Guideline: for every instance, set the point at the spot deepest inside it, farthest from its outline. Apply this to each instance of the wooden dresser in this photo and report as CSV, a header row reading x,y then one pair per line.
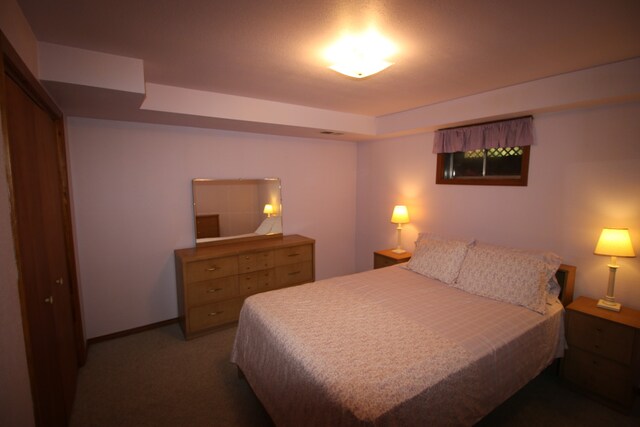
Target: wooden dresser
x,y
213,281
604,351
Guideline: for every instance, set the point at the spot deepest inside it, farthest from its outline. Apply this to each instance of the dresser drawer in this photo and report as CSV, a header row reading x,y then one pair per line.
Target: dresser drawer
x,y
211,269
255,261
213,280
604,338
258,281
212,290
293,274
214,314
267,280
599,375
294,254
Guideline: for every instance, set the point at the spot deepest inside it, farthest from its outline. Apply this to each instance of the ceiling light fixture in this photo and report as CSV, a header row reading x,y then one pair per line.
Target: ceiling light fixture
x,y
362,55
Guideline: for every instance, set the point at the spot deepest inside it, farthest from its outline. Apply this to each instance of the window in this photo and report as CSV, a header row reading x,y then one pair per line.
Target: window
x,y
490,153
489,166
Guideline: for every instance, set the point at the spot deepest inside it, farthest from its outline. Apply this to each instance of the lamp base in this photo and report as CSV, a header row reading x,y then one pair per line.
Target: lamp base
x,y
613,306
398,251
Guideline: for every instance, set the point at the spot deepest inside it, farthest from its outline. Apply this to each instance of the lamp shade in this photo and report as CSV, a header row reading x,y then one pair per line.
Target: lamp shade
x,y
615,242
268,209
400,215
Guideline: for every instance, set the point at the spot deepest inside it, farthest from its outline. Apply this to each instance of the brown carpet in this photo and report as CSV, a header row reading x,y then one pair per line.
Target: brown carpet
x,y
156,378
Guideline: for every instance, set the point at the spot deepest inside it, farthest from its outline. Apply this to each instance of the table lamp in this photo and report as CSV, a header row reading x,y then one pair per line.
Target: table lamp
x,y
268,209
400,216
613,242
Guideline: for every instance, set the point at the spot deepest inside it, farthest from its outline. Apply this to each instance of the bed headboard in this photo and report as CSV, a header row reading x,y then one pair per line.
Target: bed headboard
x,y
566,276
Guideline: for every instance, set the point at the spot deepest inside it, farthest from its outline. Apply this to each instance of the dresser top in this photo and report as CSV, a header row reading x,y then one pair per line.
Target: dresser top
x,y
236,248
626,316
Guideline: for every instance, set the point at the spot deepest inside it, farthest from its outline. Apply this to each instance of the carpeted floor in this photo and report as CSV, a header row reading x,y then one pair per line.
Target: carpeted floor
x,y
156,378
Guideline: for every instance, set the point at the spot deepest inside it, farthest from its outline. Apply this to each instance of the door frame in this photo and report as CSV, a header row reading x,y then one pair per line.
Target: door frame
x,y
13,66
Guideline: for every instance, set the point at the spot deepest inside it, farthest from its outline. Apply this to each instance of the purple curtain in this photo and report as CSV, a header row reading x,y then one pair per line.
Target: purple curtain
x,y
507,133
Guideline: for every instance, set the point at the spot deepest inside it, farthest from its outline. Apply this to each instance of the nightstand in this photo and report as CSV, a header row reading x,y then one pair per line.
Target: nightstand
x,y
387,258
604,351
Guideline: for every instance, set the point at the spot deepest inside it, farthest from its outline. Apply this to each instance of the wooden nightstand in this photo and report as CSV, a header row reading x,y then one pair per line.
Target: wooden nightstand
x,y
387,258
604,351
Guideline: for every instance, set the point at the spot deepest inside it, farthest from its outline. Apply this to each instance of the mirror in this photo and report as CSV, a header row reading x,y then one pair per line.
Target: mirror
x,y
227,209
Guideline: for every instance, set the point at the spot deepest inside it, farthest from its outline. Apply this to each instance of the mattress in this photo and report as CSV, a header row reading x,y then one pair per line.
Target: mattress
x,y
389,347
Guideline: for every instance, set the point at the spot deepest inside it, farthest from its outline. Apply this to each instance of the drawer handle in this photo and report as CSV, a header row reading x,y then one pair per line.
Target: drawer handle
x,y
598,329
296,254
214,290
247,258
212,268
215,313
293,273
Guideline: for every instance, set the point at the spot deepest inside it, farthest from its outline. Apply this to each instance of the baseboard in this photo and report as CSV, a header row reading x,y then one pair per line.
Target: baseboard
x,y
131,331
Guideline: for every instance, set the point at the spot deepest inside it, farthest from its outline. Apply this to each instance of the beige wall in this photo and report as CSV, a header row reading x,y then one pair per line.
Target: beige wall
x,y
133,206
584,175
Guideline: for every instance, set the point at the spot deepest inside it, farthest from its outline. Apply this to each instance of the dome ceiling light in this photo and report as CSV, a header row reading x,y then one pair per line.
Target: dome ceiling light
x,y
361,55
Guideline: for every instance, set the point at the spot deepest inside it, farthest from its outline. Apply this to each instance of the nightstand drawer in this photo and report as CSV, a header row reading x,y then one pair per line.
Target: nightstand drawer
x,y
380,261
599,375
604,338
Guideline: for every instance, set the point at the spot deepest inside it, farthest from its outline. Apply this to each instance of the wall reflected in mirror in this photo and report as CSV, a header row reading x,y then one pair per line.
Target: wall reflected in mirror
x,y
226,209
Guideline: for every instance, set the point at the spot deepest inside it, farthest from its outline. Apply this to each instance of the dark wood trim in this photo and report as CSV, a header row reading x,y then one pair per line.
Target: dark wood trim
x,y
522,181
14,67
7,49
132,331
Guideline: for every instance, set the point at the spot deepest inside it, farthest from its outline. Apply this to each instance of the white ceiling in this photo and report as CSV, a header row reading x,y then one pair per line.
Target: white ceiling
x,y
272,50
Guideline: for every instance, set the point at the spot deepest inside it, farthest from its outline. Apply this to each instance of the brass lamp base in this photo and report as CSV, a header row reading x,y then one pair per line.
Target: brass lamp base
x,y
608,305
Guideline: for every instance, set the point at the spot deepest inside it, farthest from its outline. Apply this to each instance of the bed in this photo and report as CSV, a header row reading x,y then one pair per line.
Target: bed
x,y
442,340
268,226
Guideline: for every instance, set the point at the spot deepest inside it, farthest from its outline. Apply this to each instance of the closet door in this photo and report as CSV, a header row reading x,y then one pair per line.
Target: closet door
x,y
47,296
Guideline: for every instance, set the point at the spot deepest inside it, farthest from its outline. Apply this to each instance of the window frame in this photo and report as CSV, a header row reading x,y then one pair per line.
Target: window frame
x,y
520,181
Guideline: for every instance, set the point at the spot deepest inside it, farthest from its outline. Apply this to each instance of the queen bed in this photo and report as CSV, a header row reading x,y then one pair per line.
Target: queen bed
x,y
441,340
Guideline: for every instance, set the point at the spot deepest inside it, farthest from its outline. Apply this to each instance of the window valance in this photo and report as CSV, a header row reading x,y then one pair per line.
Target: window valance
x,y
505,133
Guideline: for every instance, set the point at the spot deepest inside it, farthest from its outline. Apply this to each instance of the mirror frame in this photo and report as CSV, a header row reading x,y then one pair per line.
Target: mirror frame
x,y
233,238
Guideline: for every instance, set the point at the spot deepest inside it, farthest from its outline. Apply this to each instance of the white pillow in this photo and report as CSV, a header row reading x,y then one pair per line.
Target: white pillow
x,y
511,275
438,257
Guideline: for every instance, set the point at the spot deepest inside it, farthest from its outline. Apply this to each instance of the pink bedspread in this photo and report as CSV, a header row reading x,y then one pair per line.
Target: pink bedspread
x,y
389,347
